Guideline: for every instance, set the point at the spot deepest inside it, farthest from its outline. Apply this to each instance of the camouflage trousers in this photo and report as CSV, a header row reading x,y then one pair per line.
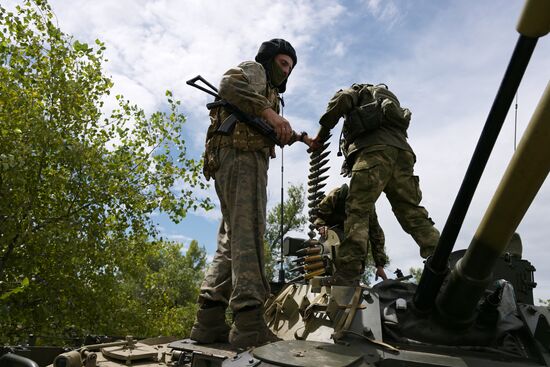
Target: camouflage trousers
x,y
388,170
236,275
377,240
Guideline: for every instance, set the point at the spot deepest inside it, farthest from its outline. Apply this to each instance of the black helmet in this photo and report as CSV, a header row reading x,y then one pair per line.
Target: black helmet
x,y
269,49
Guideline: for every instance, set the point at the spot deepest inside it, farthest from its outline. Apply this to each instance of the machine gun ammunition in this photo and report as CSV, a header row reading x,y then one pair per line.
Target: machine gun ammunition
x,y
309,267
309,251
317,173
315,273
308,259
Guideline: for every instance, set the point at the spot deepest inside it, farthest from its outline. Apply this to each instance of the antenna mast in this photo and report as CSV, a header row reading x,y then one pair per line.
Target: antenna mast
x,y
281,257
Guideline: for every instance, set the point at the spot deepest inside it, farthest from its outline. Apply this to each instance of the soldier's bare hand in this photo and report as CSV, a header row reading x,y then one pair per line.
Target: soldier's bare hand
x,y
280,125
307,140
380,273
315,143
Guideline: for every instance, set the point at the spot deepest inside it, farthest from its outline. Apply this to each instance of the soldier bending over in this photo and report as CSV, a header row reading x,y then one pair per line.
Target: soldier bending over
x,y
380,159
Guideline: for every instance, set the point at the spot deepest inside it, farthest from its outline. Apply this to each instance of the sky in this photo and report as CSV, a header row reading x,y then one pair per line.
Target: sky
x,y
443,59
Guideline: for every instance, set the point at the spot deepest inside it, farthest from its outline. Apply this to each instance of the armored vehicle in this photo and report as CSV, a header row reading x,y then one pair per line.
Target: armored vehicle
x,y
470,308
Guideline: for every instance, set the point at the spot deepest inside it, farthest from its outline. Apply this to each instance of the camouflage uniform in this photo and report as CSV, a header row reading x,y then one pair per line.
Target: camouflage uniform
x,y
332,212
381,160
238,163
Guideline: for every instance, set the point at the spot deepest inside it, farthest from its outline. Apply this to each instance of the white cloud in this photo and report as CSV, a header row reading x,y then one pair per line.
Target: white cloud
x,y
213,215
384,11
160,44
339,49
445,62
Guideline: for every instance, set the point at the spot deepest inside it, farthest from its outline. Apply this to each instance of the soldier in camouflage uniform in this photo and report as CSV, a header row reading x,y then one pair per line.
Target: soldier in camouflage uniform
x,y
332,213
380,160
238,164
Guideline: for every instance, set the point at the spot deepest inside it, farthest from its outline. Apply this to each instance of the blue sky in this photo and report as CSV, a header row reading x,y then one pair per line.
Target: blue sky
x,y
444,60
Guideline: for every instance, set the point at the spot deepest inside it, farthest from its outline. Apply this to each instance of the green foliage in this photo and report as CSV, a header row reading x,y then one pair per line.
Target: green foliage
x,y
293,219
162,293
416,273
270,262
77,189
18,289
368,274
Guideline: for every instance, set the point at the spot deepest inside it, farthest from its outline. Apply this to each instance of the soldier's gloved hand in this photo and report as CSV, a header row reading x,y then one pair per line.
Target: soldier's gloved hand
x,y
280,125
380,273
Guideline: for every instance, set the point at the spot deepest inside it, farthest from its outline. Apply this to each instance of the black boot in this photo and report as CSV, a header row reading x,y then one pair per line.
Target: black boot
x,y
348,275
250,329
210,326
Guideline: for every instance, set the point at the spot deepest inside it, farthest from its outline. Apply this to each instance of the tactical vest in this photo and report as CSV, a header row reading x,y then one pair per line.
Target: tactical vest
x,y
376,106
243,137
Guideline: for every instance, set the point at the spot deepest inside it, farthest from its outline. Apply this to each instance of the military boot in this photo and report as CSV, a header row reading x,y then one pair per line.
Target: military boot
x,y
210,326
348,275
346,278
250,329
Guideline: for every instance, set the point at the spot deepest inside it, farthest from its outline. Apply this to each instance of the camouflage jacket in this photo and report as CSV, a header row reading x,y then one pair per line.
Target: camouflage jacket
x,y
343,102
332,212
245,87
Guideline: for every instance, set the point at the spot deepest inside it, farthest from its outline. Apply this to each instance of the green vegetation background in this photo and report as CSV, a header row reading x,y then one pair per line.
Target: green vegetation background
x,y
78,250
79,253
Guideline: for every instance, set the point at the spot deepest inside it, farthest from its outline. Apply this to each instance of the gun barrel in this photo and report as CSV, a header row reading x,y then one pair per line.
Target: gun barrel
x,y
437,265
523,178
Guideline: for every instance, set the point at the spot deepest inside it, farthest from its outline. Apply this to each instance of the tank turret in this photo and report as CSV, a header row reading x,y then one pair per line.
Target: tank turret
x,y
523,178
533,24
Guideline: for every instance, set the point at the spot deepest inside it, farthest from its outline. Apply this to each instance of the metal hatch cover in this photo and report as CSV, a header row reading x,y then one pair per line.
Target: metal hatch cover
x,y
136,352
302,353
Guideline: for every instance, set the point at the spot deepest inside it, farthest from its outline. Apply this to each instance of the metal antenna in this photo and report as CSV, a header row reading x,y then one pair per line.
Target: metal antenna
x,y
281,258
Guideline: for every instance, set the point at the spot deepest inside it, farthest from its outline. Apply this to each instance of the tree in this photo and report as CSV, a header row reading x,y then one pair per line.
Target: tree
x,y
293,219
163,295
416,273
370,270
77,187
